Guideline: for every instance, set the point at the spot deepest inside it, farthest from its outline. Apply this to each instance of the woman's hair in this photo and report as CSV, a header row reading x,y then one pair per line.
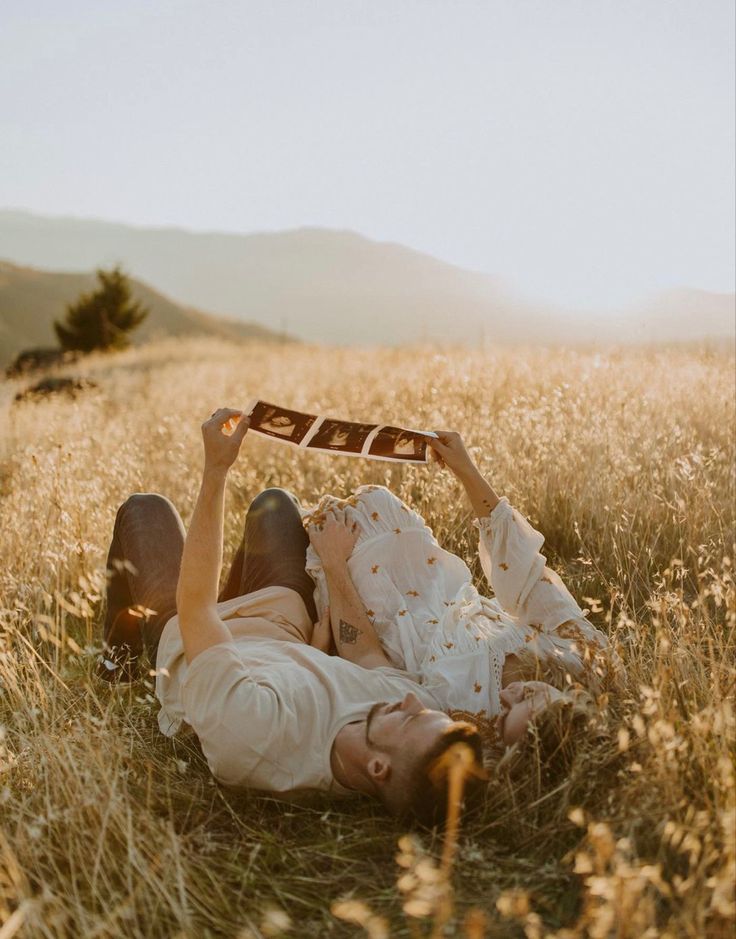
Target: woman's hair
x,y
600,673
553,740
530,667
556,744
424,792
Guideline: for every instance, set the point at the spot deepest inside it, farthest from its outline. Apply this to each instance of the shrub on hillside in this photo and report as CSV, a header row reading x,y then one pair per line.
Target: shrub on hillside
x,y
102,319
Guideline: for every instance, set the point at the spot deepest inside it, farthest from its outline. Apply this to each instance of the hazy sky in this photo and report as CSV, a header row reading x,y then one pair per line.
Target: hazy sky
x,y
583,150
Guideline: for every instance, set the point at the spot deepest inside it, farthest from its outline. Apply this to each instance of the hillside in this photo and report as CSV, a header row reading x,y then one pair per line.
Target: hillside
x,y
337,286
317,284
31,299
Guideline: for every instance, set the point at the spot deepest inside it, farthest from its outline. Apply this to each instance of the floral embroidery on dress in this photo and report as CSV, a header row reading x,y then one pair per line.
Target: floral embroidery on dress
x,y
477,687
504,567
431,560
397,531
403,612
369,613
352,501
569,630
374,569
433,621
314,518
412,593
375,516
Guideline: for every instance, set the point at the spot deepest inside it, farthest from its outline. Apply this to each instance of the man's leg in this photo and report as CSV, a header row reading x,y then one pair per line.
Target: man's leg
x,y
273,550
143,566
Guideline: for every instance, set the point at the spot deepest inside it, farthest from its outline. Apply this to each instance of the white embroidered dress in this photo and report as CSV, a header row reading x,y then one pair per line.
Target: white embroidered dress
x,y
431,619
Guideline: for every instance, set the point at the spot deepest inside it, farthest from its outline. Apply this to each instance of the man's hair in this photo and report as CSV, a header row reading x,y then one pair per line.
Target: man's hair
x,y
424,791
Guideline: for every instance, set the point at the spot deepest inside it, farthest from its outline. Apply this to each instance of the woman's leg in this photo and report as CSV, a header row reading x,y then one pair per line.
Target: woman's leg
x,y
143,569
273,550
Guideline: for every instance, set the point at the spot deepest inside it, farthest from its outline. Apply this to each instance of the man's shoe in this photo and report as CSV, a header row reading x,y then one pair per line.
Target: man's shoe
x,y
122,648
118,664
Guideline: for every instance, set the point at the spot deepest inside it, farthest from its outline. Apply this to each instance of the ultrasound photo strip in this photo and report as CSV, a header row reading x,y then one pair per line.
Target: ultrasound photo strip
x,y
330,435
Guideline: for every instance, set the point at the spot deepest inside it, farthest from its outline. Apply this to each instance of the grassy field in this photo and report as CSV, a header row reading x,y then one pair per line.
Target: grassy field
x,y
623,459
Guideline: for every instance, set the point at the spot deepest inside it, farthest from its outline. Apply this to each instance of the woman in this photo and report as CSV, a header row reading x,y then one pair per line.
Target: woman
x,y
470,651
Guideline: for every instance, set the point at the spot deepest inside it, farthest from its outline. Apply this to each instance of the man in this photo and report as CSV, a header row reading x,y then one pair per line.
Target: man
x,y
271,710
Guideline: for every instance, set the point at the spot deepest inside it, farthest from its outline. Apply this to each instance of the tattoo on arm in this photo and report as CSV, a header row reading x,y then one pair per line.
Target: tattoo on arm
x,y
348,633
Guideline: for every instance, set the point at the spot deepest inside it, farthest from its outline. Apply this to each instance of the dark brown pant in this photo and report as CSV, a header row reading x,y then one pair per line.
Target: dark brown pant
x,y
145,556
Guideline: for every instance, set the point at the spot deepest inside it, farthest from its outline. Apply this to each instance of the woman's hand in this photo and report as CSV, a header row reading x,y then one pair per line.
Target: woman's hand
x,y
322,637
222,435
448,449
333,540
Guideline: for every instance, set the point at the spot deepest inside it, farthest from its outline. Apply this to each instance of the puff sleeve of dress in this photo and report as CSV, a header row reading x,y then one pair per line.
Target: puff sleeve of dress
x,y
527,589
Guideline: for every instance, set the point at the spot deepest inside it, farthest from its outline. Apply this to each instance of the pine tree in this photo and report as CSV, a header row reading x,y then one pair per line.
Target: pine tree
x,y
103,318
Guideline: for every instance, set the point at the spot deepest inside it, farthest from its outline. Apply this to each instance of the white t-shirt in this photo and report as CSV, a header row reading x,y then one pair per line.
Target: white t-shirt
x,y
267,710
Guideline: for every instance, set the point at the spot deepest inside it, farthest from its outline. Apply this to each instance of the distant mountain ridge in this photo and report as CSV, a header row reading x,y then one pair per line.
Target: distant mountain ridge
x,y
31,299
685,314
317,284
334,286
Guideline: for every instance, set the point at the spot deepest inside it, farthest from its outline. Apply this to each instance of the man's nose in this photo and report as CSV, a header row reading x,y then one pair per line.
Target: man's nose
x,y
411,702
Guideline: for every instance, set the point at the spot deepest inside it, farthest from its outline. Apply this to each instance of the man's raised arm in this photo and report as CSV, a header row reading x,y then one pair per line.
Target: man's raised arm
x,y
196,592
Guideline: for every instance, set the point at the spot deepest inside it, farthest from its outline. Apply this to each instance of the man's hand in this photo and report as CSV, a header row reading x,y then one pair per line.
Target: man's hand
x,y
196,591
322,635
222,435
333,540
448,449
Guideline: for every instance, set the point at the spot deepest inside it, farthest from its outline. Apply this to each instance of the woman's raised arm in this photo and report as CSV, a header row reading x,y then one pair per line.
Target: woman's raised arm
x,y
449,450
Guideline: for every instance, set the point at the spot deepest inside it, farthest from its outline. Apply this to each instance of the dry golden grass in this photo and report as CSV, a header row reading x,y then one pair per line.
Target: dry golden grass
x,y
624,459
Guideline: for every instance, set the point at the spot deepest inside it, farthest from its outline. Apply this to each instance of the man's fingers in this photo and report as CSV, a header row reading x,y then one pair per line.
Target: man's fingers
x,y
241,429
323,623
322,633
225,414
